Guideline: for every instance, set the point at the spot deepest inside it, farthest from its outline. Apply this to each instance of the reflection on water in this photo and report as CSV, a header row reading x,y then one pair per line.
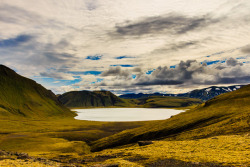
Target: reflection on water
x,y
125,114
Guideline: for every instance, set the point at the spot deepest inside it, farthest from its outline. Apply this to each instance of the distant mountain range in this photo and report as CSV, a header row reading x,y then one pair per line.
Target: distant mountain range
x,y
203,94
20,96
82,99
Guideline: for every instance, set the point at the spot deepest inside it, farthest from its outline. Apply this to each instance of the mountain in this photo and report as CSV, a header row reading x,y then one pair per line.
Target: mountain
x,y
20,96
225,114
203,94
90,99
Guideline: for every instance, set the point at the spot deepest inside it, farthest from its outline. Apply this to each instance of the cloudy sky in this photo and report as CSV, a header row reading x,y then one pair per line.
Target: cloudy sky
x,y
131,46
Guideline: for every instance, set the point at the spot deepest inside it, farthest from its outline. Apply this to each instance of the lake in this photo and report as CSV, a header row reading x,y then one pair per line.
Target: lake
x,y
125,114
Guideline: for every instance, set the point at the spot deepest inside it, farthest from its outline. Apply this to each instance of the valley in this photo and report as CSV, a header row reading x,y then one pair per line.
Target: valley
x,y
33,121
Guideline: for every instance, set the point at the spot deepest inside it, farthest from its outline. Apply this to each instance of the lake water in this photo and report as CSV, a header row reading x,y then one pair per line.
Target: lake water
x,y
125,114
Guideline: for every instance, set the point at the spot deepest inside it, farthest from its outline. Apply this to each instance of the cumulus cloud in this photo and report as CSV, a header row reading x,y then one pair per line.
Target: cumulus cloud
x,y
186,73
117,72
193,72
233,62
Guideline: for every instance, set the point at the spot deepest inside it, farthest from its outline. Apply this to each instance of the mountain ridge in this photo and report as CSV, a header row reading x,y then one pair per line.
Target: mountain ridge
x,y
21,96
203,94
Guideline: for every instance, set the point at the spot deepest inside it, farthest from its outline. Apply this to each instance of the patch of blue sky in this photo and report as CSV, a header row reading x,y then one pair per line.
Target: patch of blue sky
x,y
123,65
94,57
150,72
97,80
241,58
217,53
85,72
124,57
212,62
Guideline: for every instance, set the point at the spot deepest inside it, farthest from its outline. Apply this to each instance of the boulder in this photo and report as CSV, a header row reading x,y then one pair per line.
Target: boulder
x,y
144,143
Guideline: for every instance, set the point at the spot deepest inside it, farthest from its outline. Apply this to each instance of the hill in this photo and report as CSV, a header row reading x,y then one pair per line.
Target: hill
x,y
167,102
203,94
91,99
20,96
228,113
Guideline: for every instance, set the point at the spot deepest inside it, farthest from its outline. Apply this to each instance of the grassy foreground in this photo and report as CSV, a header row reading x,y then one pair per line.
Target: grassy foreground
x,y
52,138
229,150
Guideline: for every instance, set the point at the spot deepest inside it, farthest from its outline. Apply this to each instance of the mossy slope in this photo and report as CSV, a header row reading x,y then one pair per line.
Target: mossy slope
x,y
226,114
20,96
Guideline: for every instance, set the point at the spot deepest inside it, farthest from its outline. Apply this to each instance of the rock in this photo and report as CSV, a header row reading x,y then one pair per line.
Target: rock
x,y
144,143
22,156
106,165
75,160
3,153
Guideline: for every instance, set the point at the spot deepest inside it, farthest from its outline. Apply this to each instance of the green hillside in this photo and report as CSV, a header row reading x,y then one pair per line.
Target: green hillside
x,y
83,99
20,96
168,102
226,114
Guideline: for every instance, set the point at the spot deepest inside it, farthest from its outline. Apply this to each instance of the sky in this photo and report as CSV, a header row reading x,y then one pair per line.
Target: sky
x,y
132,46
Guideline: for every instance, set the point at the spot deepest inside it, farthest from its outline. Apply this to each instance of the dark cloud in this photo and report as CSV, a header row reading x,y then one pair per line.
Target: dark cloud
x,y
169,76
234,80
176,46
137,70
28,51
16,41
116,71
159,82
246,49
58,75
52,75
172,23
57,57
233,62
192,72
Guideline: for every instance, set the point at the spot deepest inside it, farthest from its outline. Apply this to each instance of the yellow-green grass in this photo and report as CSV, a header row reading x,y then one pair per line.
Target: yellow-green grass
x,y
53,137
224,150
226,114
25,163
168,102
